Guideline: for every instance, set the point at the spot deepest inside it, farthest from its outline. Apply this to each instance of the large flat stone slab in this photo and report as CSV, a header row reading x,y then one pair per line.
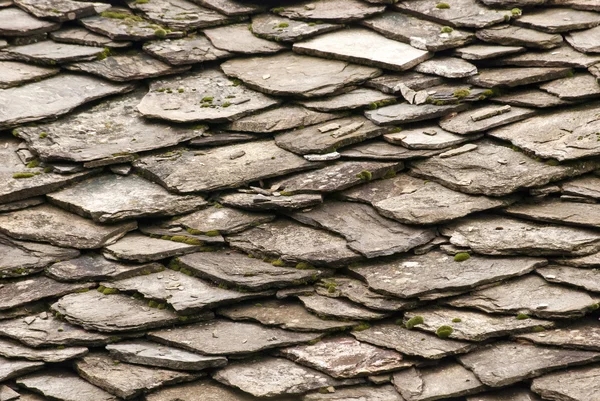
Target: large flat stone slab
x,y
13,73
496,170
586,186
355,99
506,363
486,51
585,41
13,349
588,279
64,385
224,167
531,98
81,36
555,20
563,56
574,384
404,113
16,22
447,67
237,38
180,14
339,308
462,13
252,201
189,50
12,368
580,87
141,248
122,24
464,123
374,393
222,219
555,211
50,52
290,74
519,36
210,390
512,77
61,10
233,7
330,10
389,83
282,29
506,394
383,151
92,266
581,334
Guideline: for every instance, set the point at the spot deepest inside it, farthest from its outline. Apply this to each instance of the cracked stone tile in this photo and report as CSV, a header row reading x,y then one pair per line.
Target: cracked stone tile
x,y
404,113
63,385
237,38
518,36
380,150
289,74
239,271
484,118
50,52
270,377
419,275
585,41
222,219
506,394
414,201
180,14
556,211
17,23
581,86
162,230
210,390
61,10
233,7
54,97
92,266
47,223
373,393
141,248
81,36
126,380
119,27
390,82
563,56
282,29
189,50
496,170
11,368
13,73
366,231
578,384
587,186
556,20
111,198
223,337
339,308
505,363
499,235
355,99
531,98
287,315
13,349
581,334
447,67
412,342
531,295
107,130
148,353
514,76
281,239
472,325
588,279
223,167
331,10
463,13
485,51
426,136
449,379
261,202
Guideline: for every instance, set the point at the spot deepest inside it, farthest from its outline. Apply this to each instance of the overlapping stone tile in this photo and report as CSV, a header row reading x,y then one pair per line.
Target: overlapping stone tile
x,y
409,113
61,10
381,150
338,308
511,77
16,22
330,10
189,50
14,73
122,24
374,393
355,99
519,36
587,186
92,266
233,7
389,83
588,279
447,67
50,52
463,13
250,201
63,385
580,87
141,248
210,390
485,51
222,219
11,368
81,36
506,394
282,29
574,384
553,20
221,138
484,118
585,41
556,211
237,38
13,349
180,14
531,98
563,56
8,394
426,136
581,334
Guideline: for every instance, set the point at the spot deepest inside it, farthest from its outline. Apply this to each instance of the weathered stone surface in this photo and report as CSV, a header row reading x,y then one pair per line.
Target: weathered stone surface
x,y
588,279
270,377
366,231
485,51
531,98
582,334
222,219
180,14
464,123
448,67
223,337
587,185
263,202
374,393
189,50
577,4
575,384
563,56
578,87
210,390
289,74
331,10
282,239
404,113
287,315
380,150
65,386
553,20
238,271
519,36
412,342
14,349
8,394
49,224
111,313
585,41
221,138
335,177
92,266
13,73
531,295
420,137
511,77
418,275
357,98
164,231
506,394
506,363
126,380
278,119
11,368
110,198
390,83
142,352
237,38
141,248
497,235
472,325
61,10
16,22
556,211
52,97
86,136
592,260
463,13
50,52
224,167
233,7
446,380
281,29
414,201
338,308
493,169
126,27
81,36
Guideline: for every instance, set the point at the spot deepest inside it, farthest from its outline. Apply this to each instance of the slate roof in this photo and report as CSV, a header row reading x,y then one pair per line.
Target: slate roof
x,y
322,200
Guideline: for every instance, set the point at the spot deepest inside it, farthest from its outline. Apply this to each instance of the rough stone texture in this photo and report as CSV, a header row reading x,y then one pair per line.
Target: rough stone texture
x,y
163,231
588,279
505,363
363,46
531,295
141,248
582,334
496,170
130,28
65,386
16,22
180,14
587,186
412,342
462,13
380,150
563,56
210,390
233,7
553,20
447,67
92,266
446,380
519,36
473,326
338,308
270,377
263,202
14,349
287,315
237,38
357,98
485,51
531,98
556,211
52,97
273,27
575,384
11,368
8,394
60,10
126,380
81,36
50,52
389,83
21,204
464,124
511,77
404,113
13,73
585,41
222,219
221,138
374,393
331,10
506,394
189,50
282,238
365,230
223,167
289,74
418,275
579,87
420,137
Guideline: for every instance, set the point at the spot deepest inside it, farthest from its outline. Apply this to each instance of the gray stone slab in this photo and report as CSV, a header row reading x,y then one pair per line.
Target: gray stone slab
x,y
464,123
531,295
282,29
592,260
485,51
574,384
390,83
447,380
554,20
261,202
224,167
61,10
496,170
237,38
581,334
180,14
81,36
141,248
419,275
122,24
587,186
404,113
472,325
463,13
13,349
556,211
52,97
373,393
12,368
92,266
233,7
507,394
563,56
14,73
426,136
505,363
221,138
338,308
50,52
576,4
8,394
289,74
210,390
381,150
330,10
447,67
531,98
412,342
355,99
63,385
366,231
518,36
512,77
585,41
222,219
588,279
579,87
16,22
223,337
189,50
